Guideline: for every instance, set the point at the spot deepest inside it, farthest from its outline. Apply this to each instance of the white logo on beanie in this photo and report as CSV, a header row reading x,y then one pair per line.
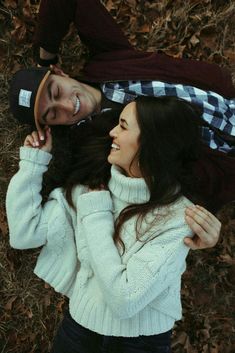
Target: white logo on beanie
x,y
24,98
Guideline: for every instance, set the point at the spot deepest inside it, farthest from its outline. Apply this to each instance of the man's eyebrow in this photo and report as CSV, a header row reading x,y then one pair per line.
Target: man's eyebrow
x,y
44,116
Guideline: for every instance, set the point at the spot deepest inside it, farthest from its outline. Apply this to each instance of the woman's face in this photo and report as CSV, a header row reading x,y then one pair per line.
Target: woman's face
x,y
125,144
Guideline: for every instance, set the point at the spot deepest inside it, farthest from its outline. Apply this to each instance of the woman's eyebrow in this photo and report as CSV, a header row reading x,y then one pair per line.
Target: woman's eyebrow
x,y
122,120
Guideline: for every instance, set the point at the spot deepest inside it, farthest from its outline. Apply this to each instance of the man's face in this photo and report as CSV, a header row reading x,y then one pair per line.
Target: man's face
x,y
65,101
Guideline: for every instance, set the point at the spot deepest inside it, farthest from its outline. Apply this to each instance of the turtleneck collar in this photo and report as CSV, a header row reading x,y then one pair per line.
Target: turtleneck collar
x,y
130,190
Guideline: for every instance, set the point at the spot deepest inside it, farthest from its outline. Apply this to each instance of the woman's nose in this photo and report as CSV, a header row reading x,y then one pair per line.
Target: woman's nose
x,y
113,132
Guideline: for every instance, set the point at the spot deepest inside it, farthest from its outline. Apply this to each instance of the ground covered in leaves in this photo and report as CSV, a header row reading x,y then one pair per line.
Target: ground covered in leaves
x,y
29,310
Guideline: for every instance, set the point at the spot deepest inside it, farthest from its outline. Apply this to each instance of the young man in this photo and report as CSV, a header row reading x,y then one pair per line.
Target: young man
x,y
116,74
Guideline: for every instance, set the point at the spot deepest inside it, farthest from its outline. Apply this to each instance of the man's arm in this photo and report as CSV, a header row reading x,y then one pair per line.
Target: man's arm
x,y
114,57
96,27
205,226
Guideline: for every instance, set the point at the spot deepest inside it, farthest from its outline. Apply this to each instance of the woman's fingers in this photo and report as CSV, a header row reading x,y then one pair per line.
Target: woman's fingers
x,y
33,140
36,140
47,146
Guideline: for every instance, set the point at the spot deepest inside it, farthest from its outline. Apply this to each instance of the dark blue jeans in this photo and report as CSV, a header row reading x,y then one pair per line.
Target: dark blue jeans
x,y
73,338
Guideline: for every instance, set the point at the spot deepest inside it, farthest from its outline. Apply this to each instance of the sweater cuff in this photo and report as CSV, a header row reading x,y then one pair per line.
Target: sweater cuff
x,y
48,62
93,202
35,155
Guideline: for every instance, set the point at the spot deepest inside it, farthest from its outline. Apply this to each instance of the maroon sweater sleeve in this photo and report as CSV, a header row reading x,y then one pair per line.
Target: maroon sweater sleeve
x,y
96,27
216,174
112,57
149,66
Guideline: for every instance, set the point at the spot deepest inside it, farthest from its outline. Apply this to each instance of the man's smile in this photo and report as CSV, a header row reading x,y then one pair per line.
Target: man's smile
x,y
77,106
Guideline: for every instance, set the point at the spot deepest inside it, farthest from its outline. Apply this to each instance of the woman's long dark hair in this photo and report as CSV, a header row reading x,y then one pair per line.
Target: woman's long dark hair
x,y
169,146
90,146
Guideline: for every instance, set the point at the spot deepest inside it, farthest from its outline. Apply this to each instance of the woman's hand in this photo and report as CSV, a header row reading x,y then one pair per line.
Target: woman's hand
x,y
33,140
205,226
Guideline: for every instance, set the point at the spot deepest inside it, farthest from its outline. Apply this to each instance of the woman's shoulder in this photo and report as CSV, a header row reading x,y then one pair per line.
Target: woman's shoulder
x,y
172,216
181,203
176,208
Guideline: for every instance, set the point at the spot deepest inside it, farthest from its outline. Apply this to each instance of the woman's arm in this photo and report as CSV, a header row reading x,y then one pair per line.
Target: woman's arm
x,y
128,288
27,222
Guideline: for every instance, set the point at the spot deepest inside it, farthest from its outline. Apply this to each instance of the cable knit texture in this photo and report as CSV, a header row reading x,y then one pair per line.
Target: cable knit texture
x,y
130,294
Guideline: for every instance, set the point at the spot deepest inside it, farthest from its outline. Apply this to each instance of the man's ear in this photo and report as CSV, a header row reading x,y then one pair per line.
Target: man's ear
x,y
58,71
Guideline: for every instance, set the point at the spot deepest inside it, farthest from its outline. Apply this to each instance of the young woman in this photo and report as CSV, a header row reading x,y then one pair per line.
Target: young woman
x,y
114,245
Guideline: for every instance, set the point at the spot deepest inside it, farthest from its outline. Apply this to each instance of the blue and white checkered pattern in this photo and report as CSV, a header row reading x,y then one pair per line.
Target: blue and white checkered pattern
x,y
218,112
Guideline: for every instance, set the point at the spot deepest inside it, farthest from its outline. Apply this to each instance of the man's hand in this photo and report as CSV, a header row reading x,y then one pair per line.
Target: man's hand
x,y
47,59
33,140
46,55
205,226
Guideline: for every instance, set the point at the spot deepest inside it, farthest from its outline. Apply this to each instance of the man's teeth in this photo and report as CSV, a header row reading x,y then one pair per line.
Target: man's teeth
x,y
115,146
77,106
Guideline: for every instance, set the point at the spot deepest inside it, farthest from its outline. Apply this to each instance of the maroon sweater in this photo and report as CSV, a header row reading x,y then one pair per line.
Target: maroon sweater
x,y
113,58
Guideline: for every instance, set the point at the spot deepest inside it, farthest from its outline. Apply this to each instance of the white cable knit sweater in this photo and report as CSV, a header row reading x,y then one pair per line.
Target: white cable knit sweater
x,y
137,293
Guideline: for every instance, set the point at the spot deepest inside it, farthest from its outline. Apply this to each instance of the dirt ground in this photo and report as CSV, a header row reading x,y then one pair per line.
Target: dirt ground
x,y
29,309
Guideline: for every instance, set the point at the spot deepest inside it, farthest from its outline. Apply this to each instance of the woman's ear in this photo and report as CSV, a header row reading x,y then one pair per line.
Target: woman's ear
x,y
58,71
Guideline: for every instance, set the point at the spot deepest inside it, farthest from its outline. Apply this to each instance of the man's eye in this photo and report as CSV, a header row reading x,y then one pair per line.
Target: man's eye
x,y
122,127
57,93
53,116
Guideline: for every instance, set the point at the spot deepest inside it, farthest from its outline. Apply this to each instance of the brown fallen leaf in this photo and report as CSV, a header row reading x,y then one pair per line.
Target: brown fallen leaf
x,y
10,302
19,32
29,313
144,29
227,258
132,3
110,5
180,339
10,4
194,40
3,223
60,305
27,10
230,54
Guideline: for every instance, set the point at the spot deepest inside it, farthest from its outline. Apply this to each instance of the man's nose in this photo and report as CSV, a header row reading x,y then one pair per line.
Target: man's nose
x,y
65,105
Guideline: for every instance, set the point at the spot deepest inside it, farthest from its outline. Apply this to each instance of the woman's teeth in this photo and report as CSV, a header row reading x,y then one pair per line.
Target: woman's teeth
x,y
115,146
77,106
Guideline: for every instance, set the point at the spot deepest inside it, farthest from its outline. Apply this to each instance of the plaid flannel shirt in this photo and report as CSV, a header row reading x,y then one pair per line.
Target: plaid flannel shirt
x,y
218,112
